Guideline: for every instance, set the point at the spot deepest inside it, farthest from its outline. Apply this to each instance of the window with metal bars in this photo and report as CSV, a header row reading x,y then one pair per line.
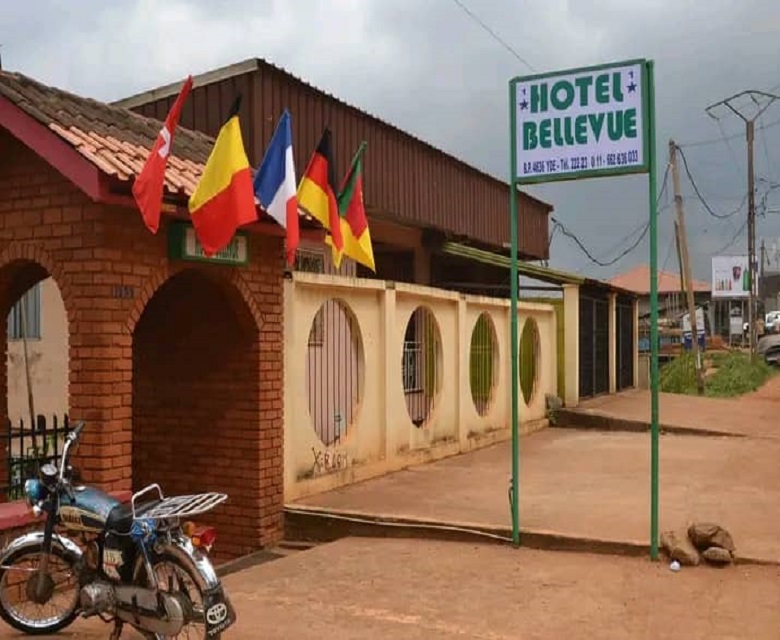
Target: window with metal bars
x,y
32,316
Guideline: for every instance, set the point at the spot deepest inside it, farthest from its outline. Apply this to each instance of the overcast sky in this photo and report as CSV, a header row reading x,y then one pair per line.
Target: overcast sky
x,y
431,69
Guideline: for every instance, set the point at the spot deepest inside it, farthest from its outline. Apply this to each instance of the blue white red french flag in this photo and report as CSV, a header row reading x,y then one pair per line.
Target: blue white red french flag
x,y
275,185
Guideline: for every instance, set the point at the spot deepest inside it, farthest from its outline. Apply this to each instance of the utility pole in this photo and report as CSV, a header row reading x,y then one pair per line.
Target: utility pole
x,y
761,101
685,266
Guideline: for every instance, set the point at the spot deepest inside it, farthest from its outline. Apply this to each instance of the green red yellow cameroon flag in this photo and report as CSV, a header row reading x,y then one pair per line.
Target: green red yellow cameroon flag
x,y
224,199
356,238
317,189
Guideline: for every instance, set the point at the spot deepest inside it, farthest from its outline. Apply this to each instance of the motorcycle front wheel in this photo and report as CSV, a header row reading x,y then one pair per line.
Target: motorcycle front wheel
x,y
57,606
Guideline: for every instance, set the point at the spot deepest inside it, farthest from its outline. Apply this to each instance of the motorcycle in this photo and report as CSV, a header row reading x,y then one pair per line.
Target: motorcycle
x,y
129,563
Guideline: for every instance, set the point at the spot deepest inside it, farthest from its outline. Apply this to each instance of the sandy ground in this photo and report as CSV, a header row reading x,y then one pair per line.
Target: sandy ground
x,y
410,589
593,485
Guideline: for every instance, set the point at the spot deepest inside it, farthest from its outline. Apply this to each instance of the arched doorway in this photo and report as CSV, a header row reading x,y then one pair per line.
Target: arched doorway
x,y
34,409
196,401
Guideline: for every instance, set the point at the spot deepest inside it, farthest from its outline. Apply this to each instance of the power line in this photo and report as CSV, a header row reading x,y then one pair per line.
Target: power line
x,y
590,256
699,195
769,163
731,242
668,254
733,136
493,34
644,229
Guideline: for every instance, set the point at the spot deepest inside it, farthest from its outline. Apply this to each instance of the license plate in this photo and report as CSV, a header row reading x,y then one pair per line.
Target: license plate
x,y
217,611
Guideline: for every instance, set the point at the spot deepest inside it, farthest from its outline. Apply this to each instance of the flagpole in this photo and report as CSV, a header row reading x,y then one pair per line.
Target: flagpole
x,y
360,150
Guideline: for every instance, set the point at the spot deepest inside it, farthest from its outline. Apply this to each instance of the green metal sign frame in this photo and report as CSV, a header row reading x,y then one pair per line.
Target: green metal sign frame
x,y
594,168
184,245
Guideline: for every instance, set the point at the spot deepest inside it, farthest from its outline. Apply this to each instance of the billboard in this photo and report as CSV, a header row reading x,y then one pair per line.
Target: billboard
x,y
730,277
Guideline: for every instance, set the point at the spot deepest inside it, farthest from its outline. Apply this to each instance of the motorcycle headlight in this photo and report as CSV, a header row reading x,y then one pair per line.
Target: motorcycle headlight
x,y
33,492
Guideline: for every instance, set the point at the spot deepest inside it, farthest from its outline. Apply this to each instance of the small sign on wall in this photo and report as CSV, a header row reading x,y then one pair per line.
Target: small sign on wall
x,y
183,244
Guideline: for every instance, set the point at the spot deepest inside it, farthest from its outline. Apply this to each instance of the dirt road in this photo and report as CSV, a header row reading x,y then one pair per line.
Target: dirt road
x,y
411,589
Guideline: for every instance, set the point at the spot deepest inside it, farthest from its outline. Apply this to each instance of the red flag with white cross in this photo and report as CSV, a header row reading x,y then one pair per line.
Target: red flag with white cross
x,y
148,186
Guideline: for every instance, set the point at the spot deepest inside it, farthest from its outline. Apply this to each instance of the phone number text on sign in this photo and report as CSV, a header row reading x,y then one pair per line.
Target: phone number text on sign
x,y
581,163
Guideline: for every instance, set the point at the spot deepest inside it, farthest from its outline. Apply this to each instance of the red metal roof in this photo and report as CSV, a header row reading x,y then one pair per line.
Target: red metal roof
x,y
638,280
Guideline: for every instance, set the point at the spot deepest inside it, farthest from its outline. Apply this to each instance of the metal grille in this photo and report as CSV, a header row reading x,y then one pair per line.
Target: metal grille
x,y
594,346
30,448
419,368
601,347
586,347
334,371
483,363
625,346
529,358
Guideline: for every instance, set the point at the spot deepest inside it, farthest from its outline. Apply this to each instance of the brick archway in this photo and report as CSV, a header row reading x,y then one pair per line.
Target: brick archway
x,y
21,257
22,266
228,278
196,401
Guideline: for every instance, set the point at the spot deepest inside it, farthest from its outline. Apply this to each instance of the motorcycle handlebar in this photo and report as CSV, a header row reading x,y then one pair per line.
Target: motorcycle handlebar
x,y
73,436
76,432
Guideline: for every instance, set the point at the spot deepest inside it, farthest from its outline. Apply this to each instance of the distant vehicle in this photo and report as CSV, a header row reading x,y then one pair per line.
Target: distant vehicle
x,y
768,348
772,322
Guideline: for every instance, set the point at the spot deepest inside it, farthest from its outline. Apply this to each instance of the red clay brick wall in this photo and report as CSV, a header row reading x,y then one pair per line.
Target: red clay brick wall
x,y
197,401
108,266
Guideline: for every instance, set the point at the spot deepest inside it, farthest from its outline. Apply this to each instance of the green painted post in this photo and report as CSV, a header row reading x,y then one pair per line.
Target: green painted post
x,y
515,378
653,314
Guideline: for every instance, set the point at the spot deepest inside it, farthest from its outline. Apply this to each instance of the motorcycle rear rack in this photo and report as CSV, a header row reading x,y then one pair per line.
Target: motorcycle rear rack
x,y
175,506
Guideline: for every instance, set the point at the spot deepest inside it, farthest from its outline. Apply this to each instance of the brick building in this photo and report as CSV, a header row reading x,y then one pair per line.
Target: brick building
x,y
174,363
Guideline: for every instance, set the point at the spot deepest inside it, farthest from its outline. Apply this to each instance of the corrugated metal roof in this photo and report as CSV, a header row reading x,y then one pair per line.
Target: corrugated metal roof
x,y
537,272
253,64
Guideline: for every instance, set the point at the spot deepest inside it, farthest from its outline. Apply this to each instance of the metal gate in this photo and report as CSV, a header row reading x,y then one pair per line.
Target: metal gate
x,y
624,347
594,346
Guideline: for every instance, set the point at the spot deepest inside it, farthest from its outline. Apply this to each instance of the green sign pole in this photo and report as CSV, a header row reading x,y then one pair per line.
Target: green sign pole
x,y
654,439
585,123
515,378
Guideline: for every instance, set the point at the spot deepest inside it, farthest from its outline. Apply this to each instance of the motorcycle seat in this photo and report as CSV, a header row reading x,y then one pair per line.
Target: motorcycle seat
x,y
120,518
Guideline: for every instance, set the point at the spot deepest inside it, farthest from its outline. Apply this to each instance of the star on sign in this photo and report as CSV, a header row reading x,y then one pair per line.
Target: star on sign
x,y
523,105
632,87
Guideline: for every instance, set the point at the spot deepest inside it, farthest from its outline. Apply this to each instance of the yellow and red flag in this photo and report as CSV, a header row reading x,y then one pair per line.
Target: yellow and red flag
x,y
224,199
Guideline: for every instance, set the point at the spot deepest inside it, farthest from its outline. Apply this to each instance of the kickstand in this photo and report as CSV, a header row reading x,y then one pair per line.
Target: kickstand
x,y
117,632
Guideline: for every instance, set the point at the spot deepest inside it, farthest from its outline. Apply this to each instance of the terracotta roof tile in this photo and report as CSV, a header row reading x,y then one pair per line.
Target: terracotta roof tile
x,y
115,139
638,280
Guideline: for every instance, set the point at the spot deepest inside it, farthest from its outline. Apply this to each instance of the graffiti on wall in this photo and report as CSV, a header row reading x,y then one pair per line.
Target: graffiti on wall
x,y
328,461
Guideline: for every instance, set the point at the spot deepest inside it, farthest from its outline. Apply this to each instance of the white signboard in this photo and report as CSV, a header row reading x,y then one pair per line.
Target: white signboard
x,y
730,277
581,123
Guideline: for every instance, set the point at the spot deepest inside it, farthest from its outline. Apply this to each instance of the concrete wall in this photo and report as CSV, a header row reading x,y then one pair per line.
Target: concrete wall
x,y
48,361
381,436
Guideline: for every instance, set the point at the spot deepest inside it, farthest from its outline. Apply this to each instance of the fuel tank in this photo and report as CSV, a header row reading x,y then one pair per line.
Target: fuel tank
x,y
87,511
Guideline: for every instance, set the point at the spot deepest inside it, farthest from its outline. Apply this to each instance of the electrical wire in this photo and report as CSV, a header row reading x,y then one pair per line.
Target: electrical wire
x,y
699,195
645,227
734,136
668,254
732,153
769,163
731,242
493,34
